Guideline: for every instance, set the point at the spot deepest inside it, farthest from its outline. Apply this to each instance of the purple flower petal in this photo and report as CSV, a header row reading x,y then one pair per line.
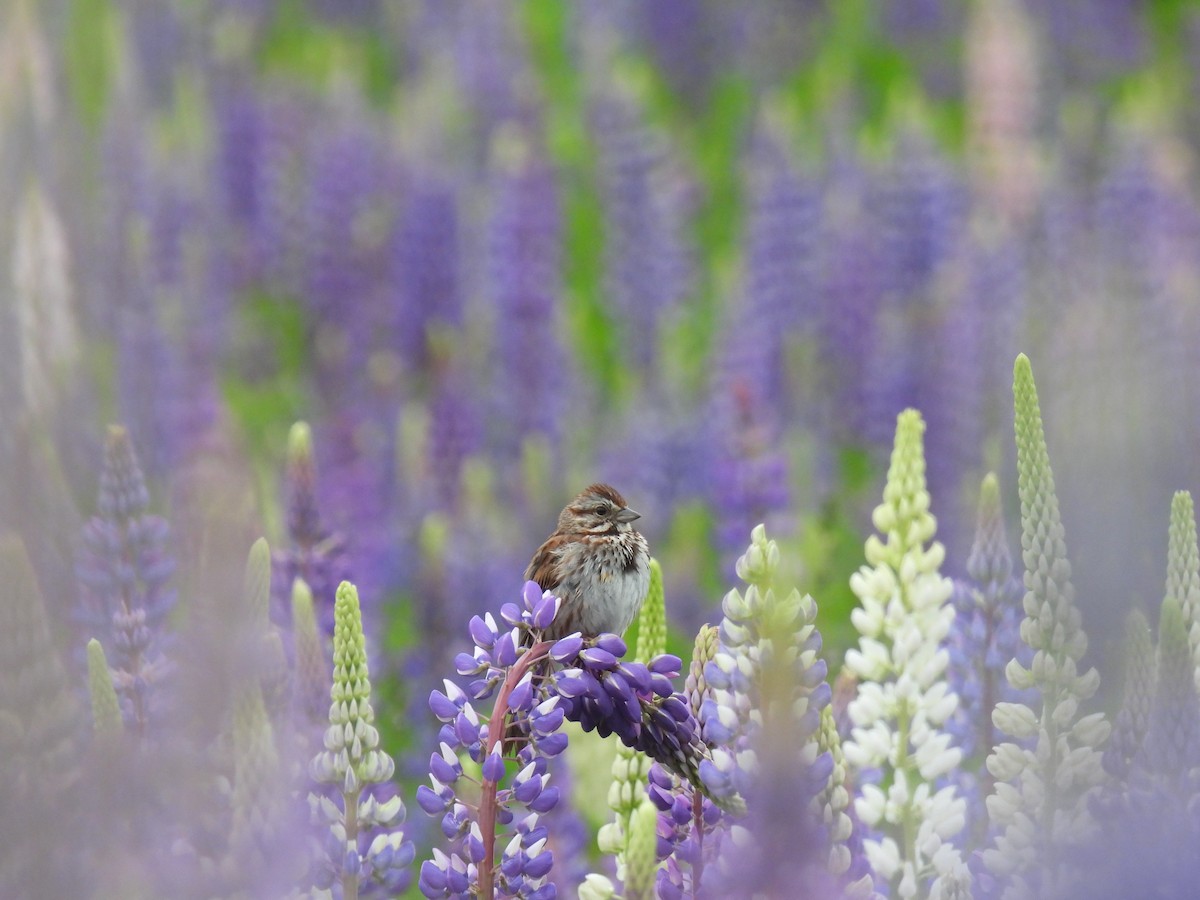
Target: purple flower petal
x,y
493,767
545,800
596,658
506,650
480,633
565,650
443,707
612,644
545,611
553,744
531,593
665,664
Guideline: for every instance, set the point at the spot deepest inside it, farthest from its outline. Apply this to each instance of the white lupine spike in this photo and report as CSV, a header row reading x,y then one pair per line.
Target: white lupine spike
x,y
904,614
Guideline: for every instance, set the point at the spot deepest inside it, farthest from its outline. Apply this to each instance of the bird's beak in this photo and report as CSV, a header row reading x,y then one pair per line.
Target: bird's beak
x,y
625,514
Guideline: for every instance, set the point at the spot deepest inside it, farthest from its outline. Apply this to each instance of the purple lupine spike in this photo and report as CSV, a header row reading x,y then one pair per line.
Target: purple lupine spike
x,y
124,571
148,386
984,637
347,249
921,205
750,471
358,489
684,37
1109,40
536,687
523,237
279,226
315,553
782,228
648,265
425,267
455,431
950,396
239,126
850,299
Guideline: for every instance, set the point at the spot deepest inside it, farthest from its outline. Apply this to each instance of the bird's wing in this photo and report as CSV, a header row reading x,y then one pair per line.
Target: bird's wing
x,y
543,568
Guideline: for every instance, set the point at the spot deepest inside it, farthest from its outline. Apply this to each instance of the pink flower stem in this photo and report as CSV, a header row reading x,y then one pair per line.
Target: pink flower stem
x,y
496,729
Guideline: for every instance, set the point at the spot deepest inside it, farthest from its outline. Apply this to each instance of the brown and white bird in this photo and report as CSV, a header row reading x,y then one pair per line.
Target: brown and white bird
x,y
596,563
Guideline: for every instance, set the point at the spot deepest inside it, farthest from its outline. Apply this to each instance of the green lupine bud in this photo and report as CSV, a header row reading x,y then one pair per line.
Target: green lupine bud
x,y
641,854
39,724
351,741
708,642
597,887
255,797
1183,570
1132,720
34,691
311,693
631,768
106,709
652,620
1174,723
1025,814
257,590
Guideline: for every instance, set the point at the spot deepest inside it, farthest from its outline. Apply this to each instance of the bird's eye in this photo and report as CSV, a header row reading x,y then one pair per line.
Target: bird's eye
x,y
603,509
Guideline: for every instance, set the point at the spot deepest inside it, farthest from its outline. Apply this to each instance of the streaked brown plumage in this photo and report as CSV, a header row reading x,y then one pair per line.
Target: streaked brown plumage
x,y
596,562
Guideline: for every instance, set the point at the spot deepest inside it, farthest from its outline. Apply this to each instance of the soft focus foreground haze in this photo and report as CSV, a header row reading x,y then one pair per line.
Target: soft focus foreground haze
x,y
493,252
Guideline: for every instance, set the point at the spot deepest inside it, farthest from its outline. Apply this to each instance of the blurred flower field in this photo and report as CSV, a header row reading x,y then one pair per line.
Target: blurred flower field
x,y
313,315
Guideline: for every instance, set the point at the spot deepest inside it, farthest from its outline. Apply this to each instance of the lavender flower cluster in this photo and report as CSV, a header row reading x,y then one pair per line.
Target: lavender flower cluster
x,y
710,252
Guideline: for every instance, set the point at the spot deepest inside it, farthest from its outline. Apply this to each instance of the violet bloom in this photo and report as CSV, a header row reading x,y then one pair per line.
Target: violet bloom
x,y
750,471
523,274
984,637
316,554
124,570
782,228
539,683
425,267
648,265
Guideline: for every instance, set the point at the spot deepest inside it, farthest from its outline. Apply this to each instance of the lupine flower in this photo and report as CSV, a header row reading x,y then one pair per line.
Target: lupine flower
x,y
1038,826
761,696
630,768
1137,697
311,670
124,573
425,258
782,228
750,474
523,236
846,860
315,554
689,824
982,640
647,264
903,699
641,858
588,685
42,297
353,760
106,708
1183,569
39,726
1148,819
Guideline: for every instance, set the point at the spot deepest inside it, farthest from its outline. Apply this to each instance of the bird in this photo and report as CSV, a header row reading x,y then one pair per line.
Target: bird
x,y
596,563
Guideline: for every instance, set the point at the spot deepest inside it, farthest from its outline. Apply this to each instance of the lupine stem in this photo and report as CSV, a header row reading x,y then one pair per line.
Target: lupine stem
x,y
487,800
350,879
698,826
